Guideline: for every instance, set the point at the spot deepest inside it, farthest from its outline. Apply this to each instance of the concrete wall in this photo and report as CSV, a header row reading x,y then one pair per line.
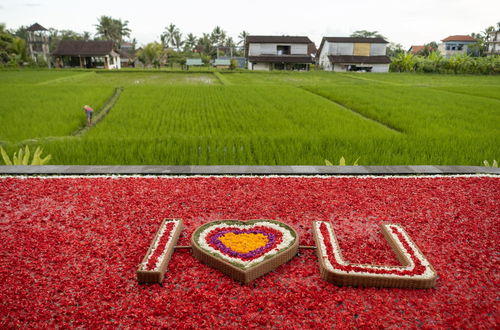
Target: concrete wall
x,y
380,67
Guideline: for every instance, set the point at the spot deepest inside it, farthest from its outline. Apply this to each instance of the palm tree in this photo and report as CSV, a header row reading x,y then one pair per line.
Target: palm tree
x,y
218,36
109,28
242,40
178,42
167,38
190,42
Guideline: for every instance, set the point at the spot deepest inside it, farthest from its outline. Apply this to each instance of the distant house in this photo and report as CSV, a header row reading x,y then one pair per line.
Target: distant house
x,y
86,54
416,49
342,54
494,43
454,45
128,58
278,53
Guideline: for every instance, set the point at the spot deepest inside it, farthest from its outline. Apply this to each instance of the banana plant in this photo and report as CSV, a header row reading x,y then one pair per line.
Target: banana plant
x,y
22,157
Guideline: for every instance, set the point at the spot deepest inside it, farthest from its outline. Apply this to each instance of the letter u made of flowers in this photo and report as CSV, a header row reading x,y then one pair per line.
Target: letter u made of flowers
x,y
416,272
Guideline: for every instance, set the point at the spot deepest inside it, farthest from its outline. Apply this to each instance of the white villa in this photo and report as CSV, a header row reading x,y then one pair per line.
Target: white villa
x,y
343,54
278,53
455,45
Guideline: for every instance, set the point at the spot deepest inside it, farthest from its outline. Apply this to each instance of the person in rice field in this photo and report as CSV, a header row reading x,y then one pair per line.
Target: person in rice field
x,y
88,111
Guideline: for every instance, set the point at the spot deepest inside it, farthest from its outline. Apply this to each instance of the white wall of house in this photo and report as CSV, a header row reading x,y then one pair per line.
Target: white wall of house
x,y
272,49
324,62
253,49
114,62
259,66
451,48
298,49
338,67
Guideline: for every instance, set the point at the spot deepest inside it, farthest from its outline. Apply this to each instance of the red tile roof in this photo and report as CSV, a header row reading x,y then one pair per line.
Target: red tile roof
x,y
415,49
459,38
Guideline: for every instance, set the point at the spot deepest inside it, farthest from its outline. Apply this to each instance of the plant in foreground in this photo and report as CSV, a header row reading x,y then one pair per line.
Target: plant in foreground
x,y
22,157
487,164
342,162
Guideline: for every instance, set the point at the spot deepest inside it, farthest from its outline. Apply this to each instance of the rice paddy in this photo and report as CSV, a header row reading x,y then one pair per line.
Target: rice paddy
x,y
274,118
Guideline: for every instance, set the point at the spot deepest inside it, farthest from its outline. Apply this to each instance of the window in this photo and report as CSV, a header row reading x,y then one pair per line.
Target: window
x,y
284,50
460,46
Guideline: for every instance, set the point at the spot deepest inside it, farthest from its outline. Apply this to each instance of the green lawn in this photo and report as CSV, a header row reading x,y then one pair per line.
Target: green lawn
x,y
247,118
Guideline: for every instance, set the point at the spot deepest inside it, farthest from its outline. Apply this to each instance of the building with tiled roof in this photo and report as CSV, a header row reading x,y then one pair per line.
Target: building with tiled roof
x,y
278,52
87,54
415,49
342,54
455,45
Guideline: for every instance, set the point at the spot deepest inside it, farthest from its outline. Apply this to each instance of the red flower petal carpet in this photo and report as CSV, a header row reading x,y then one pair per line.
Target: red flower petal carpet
x,y
70,248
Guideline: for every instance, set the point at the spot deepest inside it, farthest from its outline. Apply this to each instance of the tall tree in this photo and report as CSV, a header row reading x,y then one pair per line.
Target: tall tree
x,y
366,34
168,36
109,28
190,42
242,37
178,42
218,36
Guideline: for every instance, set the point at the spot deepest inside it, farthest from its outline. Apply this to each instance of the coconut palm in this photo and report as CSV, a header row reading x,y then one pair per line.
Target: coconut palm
x,y
190,42
168,36
178,42
109,28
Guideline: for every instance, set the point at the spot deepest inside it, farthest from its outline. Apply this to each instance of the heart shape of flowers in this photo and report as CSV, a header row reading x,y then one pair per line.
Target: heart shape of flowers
x,y
245,249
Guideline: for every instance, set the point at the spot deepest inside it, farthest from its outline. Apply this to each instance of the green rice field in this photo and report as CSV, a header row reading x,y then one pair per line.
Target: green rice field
x,y
253,118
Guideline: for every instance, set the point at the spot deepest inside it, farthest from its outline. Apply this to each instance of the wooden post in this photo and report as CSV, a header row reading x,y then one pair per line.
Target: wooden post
x,y
81,62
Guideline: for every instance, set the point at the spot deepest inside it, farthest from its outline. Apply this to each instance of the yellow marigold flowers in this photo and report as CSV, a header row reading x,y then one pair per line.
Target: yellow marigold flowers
x,y
244,242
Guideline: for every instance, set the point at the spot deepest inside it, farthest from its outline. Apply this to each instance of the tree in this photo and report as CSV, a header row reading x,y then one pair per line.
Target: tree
x,y
151,54
205,43
168,36
242,37
178,42
109,28
190,42
366,34
394,49
218,36
12,48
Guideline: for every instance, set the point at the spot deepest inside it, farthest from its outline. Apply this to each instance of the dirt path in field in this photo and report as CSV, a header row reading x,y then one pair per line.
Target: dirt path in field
x,y
102,113
356,112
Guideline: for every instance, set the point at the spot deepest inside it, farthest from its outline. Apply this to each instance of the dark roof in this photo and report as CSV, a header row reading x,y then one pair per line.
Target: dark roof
x,y
354,39
311,49
359,59
281,59
278,39
36,27
86,48
459,38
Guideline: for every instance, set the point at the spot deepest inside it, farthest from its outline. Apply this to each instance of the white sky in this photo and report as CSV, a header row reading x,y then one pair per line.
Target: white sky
x,y
402,21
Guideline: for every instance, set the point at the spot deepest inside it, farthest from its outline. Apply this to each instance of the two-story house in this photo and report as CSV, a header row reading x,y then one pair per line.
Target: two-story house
x,y
494,43
455,45
343,54
278,53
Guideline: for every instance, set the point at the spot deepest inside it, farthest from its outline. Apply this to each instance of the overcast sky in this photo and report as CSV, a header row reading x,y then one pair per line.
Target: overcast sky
x,y
401,21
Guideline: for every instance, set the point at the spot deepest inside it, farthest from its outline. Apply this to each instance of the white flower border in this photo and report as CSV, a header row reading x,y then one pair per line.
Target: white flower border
x,y
161,257
428,274
287,240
